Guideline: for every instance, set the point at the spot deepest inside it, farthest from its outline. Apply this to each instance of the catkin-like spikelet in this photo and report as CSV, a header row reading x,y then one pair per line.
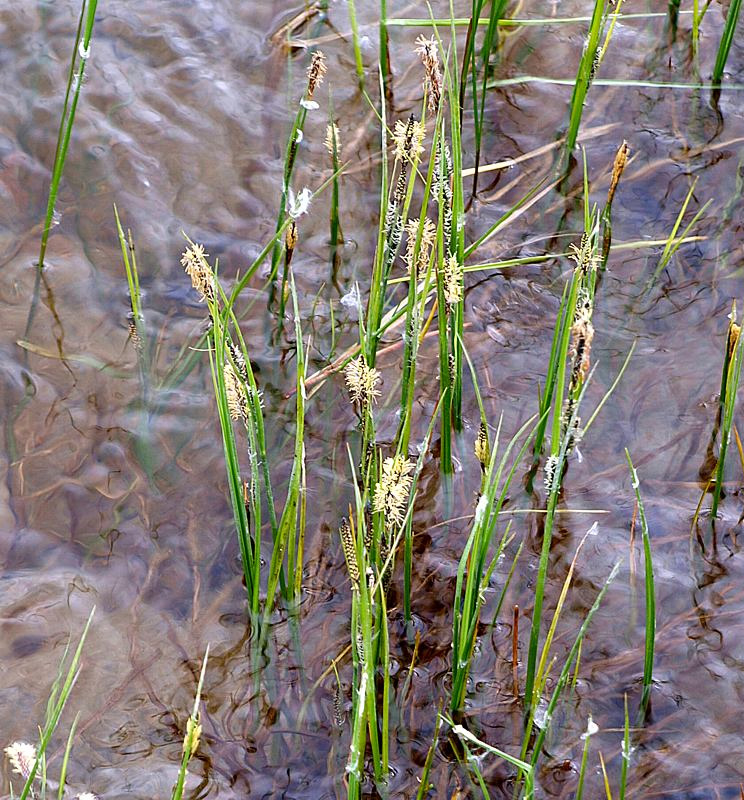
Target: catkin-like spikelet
x,y
347,542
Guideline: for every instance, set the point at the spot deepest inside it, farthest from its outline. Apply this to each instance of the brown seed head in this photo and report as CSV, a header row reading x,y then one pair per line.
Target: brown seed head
x,y
621,159
315,72
427,50
347,542
482,447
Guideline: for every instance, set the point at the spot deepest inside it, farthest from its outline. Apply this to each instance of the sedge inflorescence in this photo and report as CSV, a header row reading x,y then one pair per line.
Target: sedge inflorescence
x,y
393,488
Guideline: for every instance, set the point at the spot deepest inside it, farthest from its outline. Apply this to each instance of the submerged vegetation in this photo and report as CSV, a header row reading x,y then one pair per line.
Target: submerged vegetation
x,y
414,426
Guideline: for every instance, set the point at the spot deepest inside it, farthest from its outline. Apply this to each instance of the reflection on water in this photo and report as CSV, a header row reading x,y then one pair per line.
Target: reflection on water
x,y
107,502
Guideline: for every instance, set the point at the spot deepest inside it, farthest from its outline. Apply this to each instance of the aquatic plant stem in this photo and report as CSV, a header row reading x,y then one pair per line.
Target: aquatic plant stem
x,y
648,658
82,49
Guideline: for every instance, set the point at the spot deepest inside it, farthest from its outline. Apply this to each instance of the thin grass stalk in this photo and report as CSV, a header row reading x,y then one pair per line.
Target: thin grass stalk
x,y
727,37
457,239
445,373
554,477
727,404
249,546
192,735
591,728
378,283
292,524
605,777
414,309
673,241
648,657
359,64
625,752
408,528
491,38
66,758
585,74
74,85
56,705
384,50
296,134
546,397
424,786
466,736
335,237
287,531
468,56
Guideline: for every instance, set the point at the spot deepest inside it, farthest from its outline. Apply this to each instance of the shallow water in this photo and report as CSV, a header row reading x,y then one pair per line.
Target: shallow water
x,y
182,124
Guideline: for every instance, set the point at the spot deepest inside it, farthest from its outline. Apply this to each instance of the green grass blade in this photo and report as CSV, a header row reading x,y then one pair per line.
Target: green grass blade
x,y
648,658
74,85
727,37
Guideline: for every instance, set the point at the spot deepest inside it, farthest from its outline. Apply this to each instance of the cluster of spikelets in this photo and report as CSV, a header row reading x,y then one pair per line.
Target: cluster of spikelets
x,y
362,381
22,757
392,489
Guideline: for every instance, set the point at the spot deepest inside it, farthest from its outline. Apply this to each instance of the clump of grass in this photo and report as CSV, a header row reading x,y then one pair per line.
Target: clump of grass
x,y
80,55
478,561
239,401
28,760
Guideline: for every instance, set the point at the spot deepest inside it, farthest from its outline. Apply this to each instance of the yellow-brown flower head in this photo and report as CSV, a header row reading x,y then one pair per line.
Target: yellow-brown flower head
x,y
621,159
237,402
315,72
408,138
333,140
362,382
482,447
391,492
192,736
427,50
347,542
419,258
453,288
194,262
584,255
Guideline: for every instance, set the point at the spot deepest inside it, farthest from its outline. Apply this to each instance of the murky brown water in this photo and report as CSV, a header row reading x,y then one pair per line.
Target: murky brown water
x,y
182,124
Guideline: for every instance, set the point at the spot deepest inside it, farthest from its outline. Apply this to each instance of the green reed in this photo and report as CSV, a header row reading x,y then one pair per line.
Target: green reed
x,y
80,53
650,593
137,326
587,67
424,785
358,62
730,379
727,37
192,734
591,729
675,238
563,391
625,750
289,202
489,44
